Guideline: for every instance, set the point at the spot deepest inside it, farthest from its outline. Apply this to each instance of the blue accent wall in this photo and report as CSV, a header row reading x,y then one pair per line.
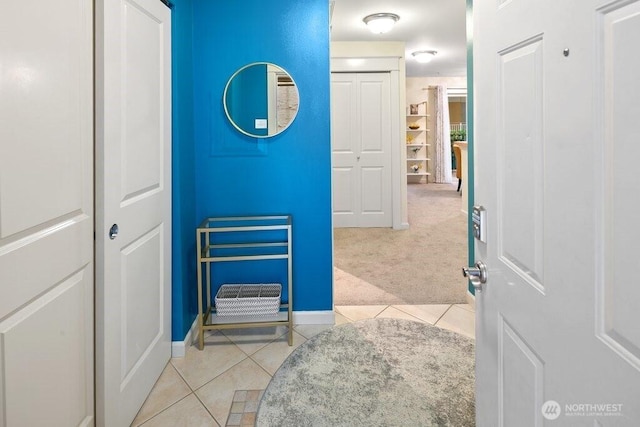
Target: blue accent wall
x,y
184,221
219,172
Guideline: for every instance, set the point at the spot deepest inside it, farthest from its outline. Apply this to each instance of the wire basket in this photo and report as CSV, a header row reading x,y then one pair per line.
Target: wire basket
x,y
255,299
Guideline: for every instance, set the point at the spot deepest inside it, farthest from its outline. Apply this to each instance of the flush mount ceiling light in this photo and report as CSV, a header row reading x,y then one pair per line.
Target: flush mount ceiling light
x,y
424,56
380,23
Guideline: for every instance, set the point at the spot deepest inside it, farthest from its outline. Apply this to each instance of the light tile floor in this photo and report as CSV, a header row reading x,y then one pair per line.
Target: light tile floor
x,y
199,389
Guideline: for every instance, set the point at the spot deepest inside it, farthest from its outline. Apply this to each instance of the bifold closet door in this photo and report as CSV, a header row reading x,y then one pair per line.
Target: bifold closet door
x,y
361,149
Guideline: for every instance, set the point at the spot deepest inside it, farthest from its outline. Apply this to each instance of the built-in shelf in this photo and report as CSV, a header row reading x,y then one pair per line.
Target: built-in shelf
x,y
417,142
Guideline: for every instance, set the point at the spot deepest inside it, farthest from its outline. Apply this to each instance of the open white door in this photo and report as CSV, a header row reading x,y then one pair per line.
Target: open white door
x,y
46,213
133,191
361,149
556,102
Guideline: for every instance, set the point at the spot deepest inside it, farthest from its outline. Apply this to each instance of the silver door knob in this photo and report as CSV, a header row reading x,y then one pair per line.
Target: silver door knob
x,y
477,275
113,231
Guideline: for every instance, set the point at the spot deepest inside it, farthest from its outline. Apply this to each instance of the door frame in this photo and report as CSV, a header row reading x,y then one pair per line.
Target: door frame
x,y
470,187
393,66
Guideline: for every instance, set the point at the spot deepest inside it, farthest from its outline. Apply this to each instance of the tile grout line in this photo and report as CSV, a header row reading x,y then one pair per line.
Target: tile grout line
x,y
181,376
166,408
440,318
249,355
377,314
191,391
207,409
409,314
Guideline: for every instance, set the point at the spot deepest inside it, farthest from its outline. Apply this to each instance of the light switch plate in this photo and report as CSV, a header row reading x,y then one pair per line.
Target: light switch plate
x,y
261,123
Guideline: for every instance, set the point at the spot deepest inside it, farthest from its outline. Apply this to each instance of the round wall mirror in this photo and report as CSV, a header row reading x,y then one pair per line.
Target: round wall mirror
x,y
261,100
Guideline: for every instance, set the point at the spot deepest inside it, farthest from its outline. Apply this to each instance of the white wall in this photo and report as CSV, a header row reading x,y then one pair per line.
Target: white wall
x,y
416,85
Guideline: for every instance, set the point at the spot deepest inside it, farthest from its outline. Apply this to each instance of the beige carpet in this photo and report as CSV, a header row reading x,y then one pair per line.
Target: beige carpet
x,y
420,265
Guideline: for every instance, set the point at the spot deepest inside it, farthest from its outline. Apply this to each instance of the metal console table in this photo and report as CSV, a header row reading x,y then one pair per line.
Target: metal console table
x,y
209,250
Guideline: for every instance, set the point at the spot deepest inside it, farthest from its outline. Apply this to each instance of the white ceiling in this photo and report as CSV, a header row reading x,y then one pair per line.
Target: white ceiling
x,y
424,25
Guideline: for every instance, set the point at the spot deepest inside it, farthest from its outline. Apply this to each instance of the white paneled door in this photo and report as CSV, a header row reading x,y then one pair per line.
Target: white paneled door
x,y
361,149
133,189
46,213
556,90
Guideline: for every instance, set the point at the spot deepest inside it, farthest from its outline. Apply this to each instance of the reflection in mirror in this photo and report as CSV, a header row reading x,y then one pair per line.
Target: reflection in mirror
x,y
261,100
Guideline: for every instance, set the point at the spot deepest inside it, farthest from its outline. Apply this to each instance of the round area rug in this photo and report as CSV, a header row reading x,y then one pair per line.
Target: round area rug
x,y
378,372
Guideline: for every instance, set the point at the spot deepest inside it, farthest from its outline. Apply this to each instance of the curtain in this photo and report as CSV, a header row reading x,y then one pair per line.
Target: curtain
x,y
442,149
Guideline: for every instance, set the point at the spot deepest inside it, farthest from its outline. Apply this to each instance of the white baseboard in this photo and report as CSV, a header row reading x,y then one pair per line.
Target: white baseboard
x,y
471,299
179,348
327,317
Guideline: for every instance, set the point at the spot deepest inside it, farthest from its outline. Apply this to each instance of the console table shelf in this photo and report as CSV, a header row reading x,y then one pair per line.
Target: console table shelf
x,y
226,239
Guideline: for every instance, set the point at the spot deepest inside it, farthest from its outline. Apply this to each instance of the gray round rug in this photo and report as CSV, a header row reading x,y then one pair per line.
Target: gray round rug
x,y
378,372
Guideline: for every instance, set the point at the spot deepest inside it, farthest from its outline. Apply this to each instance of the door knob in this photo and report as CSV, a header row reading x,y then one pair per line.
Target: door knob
x,y
113,231
477,275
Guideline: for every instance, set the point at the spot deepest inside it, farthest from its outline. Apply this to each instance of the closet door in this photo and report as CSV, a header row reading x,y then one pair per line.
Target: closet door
x,y
46,213
133,192
361,149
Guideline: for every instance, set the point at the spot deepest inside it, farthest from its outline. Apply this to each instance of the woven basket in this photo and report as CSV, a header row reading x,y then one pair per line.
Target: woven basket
x,y
248,299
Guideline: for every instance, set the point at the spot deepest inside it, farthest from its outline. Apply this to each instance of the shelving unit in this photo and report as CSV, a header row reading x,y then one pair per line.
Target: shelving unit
x,y
417,145
233,239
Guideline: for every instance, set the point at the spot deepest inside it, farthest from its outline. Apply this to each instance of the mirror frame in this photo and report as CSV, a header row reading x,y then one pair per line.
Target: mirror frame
x,y
226,110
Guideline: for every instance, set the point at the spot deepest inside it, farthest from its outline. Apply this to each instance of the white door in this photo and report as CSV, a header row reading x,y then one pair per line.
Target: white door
x,y
46,213
133,190
361,149
556,102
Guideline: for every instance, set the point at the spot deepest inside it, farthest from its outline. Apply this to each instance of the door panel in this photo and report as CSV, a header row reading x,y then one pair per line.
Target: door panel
x,y
44,355
141,155
373,112
342,201
141,281
46,214
344,131
522,374
555,326
372,181
361,148
134,184
520,150
619,30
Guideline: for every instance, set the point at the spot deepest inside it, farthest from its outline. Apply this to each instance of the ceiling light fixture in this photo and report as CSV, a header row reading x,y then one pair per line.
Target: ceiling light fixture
x,y
380,23
424,56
